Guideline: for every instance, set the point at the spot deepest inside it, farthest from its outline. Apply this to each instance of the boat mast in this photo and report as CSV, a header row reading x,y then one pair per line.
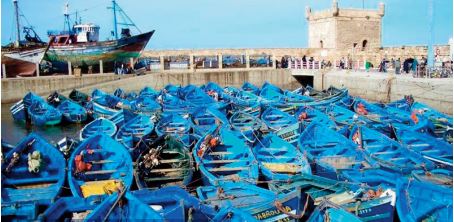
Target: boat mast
x,y
114,4
67,22
16,11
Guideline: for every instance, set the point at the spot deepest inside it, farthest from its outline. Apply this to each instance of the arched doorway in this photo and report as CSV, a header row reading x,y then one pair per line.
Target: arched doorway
x,y
364,44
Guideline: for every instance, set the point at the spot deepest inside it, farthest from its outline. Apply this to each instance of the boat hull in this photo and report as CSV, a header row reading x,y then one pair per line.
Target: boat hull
x,y
89,54
22,63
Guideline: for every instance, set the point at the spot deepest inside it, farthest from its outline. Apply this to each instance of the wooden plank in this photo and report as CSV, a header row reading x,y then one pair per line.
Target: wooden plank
x,y
222,161
227,169
168,170
219,153
100,172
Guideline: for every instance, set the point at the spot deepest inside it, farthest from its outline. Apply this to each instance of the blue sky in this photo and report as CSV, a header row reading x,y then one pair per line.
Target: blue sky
x,y
183,24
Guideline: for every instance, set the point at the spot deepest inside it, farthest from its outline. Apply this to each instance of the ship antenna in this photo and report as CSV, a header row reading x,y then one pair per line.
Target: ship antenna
x,y
16,11
114,4
127,21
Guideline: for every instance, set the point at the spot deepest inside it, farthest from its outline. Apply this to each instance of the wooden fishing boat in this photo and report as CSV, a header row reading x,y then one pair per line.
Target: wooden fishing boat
x,y
372,177
72,112
246,102
122,116
271,95
216,92
98,166
247,125
148,92
42,114
368,203
70,208
205,118
249,87
134,133
123,205
278,159
79,97
291,133
222,155
166,162
97,126
442,177
176,204
376,113
328,211
420,201
198,98
387,152
326,98
308,115
33,174
261,203
19,110
276,119
330,152
177,126
435,150
101,111
171,89
232,214
173,104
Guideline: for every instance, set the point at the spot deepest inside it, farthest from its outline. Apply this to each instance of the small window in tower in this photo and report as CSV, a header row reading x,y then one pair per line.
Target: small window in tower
x,y
364,44
321,44
355,44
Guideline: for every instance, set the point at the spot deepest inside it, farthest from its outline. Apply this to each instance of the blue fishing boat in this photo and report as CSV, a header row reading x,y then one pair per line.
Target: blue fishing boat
x,y
372,177
173,104
120,93
330,152
98,166
295,98
122,116
233,214
328,211
326,98
308,115
278,159
33,167
79,97
222,155
261,203
149,92
97,126
420,201
171,89
291,133
246,102
271,86
19,110
247,125
100,111
123,205
276,119
184,90
441,121
165,162
72,112
216,92
70,208
442,177
205,118
177,126
249,87
271,95
42,114
347,118
104,104
176,204
199,98
368,203
134,133
147,106
435,150
131,96
55,99
376,113
387,152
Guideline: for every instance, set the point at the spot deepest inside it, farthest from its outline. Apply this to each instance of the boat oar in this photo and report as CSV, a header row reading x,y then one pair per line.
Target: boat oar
x,y
120,195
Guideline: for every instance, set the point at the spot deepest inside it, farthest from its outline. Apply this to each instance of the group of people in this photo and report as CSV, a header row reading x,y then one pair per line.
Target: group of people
x,y
121,68
284,63
408,65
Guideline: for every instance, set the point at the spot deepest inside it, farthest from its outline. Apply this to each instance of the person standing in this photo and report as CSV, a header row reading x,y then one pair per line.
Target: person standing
x,y
414,66
397,66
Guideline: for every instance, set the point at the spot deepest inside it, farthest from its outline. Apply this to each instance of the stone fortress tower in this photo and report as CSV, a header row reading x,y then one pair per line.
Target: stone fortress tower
x,y
345,29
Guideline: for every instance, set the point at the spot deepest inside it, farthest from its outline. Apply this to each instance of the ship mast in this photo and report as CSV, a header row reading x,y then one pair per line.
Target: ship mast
x,y
114,4
67,23
16,11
